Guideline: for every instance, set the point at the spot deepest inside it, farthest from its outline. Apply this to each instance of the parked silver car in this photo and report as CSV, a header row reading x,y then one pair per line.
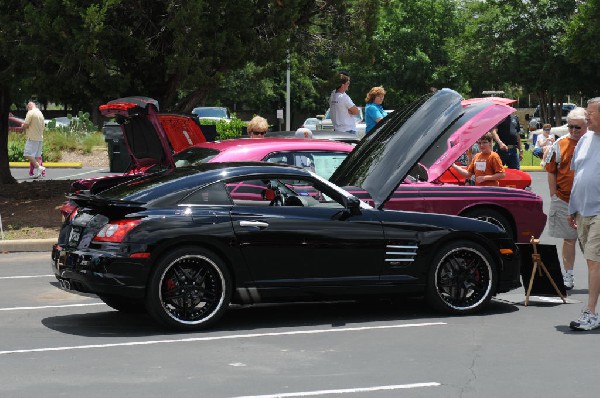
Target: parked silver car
x,y
326,124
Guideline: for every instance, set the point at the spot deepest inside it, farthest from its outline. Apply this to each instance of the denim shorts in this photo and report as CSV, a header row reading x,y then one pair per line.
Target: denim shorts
x,y
33,148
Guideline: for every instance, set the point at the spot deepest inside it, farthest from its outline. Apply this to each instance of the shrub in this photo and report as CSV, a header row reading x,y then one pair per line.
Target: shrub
x,y
16,145
226,130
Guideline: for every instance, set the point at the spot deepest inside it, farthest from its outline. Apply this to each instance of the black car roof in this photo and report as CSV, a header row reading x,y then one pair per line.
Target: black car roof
x,y
153,186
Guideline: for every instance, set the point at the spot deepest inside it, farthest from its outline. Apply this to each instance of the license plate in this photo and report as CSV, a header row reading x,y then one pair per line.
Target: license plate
x,y
74,235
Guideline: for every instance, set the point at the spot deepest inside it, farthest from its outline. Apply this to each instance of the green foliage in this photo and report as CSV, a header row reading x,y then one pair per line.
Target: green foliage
x,y
226,129
16,145
89,141
233,129
55,141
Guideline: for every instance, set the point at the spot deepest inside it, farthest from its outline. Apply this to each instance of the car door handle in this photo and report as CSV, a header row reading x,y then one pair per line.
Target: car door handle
x,y
255,224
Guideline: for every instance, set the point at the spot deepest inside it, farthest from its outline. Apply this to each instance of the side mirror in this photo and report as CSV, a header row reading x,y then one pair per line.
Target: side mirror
x,y
353,205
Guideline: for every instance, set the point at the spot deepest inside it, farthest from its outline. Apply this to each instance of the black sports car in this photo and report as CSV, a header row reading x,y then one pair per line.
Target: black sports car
x,y
183,244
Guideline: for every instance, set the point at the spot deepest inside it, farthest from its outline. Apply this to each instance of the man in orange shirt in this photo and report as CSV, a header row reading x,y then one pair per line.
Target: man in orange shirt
x,y
486,165
560,182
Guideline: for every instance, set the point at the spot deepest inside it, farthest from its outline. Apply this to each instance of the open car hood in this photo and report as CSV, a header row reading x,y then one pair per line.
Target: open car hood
x,y
152,138
418,143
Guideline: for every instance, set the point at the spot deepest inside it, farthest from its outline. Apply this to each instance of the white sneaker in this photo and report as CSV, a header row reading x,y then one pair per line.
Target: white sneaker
x,y
37,172
569,280
587,321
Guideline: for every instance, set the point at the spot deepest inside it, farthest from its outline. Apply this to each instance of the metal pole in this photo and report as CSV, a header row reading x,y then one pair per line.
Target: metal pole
x,y
287,95
1,230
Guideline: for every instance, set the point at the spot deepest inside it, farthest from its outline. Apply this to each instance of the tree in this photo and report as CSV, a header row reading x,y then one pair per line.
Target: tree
x,y
407,54
582,47
177,51
515,45
12,64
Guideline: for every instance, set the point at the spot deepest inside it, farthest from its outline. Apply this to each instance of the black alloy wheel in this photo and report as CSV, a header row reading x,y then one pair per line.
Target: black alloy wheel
x,y
189,289
462,279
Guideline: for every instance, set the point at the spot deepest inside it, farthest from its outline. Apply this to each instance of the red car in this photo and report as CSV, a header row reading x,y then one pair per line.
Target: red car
x,y
518,211
513,178
15,123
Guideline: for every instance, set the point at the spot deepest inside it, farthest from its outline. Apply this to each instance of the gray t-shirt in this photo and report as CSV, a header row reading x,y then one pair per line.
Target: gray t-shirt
x,y
585,194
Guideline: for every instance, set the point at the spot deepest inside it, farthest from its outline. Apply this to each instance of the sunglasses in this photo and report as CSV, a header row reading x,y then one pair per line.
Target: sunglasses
x,y
546,129
258,132
571,126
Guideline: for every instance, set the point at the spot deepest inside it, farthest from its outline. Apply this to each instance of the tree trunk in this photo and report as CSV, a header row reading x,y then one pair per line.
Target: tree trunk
x,y
5,176
192,100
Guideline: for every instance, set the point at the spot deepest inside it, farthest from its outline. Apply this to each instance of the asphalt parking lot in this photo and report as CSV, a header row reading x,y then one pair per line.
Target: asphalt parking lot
x,y
56,343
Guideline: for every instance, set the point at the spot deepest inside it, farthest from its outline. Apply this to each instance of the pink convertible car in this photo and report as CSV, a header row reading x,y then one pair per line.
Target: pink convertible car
x,y
518,211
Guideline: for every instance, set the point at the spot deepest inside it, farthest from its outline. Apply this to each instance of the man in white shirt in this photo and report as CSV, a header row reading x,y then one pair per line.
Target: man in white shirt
x,y
584,210
341,107
34,130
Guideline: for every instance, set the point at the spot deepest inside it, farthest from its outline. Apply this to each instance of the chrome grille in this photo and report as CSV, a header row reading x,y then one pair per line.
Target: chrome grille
x,y
401,254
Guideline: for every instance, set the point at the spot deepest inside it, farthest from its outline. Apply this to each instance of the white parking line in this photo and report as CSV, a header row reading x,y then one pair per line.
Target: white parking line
x,y
344,391
70,177
25,276
214,338
49,306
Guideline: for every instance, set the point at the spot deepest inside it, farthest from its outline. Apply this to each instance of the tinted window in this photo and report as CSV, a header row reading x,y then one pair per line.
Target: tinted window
x,y
151,187
194,155
214,194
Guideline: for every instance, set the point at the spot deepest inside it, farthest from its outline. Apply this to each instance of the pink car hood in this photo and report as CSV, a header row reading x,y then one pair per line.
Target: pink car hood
x,y
467,135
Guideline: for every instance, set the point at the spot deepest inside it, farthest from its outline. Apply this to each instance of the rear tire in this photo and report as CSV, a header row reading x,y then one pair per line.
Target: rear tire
x,y
189,289
462,279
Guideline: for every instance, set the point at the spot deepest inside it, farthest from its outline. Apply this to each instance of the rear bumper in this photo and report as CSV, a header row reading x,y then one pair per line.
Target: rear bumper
x,y
101,273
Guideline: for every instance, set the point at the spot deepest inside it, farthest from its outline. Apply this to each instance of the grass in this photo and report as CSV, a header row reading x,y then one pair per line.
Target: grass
x,y
11,233
529,159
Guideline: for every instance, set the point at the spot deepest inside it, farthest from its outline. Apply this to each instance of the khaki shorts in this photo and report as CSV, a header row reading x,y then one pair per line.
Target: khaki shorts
x,y
588,229
558,224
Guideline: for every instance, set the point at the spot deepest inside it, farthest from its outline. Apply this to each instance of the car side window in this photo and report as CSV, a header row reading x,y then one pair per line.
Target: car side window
x,y
280,192
214,194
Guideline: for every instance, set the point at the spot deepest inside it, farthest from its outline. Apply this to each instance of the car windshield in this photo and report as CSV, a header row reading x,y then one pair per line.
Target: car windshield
x,y
321,163
210,112
194,155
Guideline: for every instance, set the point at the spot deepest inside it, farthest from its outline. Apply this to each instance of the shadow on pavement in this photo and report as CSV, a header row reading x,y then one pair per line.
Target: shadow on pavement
x,y
265,316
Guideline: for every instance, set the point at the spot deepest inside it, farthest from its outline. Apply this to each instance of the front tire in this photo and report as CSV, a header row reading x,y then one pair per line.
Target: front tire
x,y
189,289
493,217
462,279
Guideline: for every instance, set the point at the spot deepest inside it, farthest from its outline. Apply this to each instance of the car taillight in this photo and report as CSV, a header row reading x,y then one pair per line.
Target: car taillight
x,y
73,210
115,231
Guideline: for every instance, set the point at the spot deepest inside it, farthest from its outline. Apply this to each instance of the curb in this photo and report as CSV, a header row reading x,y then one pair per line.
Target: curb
x,y
532,168
69,165
27,245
